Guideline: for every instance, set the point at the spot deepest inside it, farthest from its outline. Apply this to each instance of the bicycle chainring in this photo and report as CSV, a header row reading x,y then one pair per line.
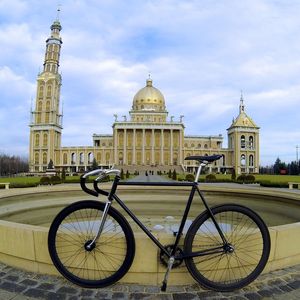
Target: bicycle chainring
x,y
165,259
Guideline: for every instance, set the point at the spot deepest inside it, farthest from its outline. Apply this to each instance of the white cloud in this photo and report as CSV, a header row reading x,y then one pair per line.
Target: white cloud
x,y
200,54
12,8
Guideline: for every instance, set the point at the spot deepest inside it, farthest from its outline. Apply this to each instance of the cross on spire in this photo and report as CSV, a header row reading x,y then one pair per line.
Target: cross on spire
x,y
58,12
242,106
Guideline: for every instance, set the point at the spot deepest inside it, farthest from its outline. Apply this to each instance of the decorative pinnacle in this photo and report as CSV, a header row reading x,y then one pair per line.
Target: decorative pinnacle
x,y
58,12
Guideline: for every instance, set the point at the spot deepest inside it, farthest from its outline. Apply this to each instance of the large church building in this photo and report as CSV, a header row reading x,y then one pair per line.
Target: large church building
x,y
148,139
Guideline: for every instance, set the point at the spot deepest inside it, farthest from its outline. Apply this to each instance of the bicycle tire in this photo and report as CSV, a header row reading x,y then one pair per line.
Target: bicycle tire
x,y
108,261
245,231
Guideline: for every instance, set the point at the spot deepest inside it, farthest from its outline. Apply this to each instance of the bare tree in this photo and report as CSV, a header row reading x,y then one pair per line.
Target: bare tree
x,y
11,165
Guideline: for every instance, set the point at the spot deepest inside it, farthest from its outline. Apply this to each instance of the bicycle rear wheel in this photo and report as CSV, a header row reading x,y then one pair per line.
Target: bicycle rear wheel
x,y
74,228
239,262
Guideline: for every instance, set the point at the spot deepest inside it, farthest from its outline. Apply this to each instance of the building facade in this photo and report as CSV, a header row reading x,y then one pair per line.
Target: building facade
x,y
148,138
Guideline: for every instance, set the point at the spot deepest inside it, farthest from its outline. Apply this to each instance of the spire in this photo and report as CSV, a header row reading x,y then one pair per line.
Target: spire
x,y
242,106
53,45
149,80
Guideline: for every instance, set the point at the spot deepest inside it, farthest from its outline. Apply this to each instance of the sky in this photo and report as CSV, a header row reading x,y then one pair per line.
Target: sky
x,y
201,54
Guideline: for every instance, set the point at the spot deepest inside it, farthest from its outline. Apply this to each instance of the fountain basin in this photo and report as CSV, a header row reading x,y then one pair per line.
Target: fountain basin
x,y
25,245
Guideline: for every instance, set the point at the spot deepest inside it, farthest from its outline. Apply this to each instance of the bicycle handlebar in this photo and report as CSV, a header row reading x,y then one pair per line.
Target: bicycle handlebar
x,y
103,174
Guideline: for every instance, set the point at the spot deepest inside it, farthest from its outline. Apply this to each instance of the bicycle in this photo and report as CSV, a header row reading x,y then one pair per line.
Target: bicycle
x,y
92,244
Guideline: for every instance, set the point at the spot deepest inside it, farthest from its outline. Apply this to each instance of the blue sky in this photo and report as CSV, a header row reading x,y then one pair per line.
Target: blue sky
x,y
201,54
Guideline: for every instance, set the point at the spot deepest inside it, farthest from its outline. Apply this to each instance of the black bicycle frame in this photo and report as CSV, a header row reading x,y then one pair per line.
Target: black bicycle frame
x,y
194,186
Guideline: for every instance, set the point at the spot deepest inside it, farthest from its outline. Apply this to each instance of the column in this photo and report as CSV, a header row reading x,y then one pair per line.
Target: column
x,y
152,146
115,148
171,147
162,147
125,148
180,147
134,147
143,147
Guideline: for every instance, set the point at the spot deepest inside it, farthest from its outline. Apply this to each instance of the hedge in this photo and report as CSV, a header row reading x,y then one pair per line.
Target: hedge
x,y
266,183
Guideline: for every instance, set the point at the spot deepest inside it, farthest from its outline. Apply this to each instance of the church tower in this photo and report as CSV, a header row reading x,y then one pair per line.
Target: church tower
x,y
46,119
243,143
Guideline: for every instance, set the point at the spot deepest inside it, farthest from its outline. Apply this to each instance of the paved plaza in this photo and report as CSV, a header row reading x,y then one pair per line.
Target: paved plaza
x,y
16,284
20,285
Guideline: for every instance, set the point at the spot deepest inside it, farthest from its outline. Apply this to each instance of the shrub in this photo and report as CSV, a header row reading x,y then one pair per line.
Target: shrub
x,y
174,175
45,180
55,180
233,175
127,174
170,174
246,178
241,178
250,178
189,177
63,175
210,178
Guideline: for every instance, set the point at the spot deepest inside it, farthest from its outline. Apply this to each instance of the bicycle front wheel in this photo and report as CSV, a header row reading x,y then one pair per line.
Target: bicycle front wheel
x,y
104,263
236,264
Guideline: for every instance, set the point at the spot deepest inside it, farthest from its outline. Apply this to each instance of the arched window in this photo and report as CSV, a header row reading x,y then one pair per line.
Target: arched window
x,y
65,158
45,139
107,157
45,158
73,158
40,106
48,106
36,158
37,140
99,157
251,161
205,146
90,157
251,142
49,90
41,91
243,146
81,158
243,160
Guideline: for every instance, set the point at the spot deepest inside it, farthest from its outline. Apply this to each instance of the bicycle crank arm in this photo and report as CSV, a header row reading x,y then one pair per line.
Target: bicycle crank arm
x,y
165,281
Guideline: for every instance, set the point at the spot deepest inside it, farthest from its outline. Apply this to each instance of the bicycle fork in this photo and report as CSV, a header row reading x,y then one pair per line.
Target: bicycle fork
x,y
90,246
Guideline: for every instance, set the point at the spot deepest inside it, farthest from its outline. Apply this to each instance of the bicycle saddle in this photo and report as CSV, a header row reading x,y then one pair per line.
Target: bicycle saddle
x,y
204,159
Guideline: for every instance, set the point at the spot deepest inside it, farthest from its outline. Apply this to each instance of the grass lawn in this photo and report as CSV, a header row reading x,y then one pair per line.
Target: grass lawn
x,y
20,180
258,177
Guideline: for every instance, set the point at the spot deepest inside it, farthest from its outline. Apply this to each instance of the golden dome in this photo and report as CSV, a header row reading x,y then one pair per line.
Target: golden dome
x,y
149,98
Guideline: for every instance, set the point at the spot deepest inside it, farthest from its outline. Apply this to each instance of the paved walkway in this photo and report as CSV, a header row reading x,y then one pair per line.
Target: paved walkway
x,y
20,285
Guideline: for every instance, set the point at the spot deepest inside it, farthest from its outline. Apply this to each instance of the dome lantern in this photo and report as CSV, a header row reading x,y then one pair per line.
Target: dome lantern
x,y
149,98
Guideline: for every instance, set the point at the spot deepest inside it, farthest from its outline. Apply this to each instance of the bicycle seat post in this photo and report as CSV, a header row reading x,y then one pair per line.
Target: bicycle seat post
x,y
202,164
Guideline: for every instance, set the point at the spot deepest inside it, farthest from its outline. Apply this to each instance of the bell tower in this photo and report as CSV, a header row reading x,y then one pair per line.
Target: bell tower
x,y
243,143
46,118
